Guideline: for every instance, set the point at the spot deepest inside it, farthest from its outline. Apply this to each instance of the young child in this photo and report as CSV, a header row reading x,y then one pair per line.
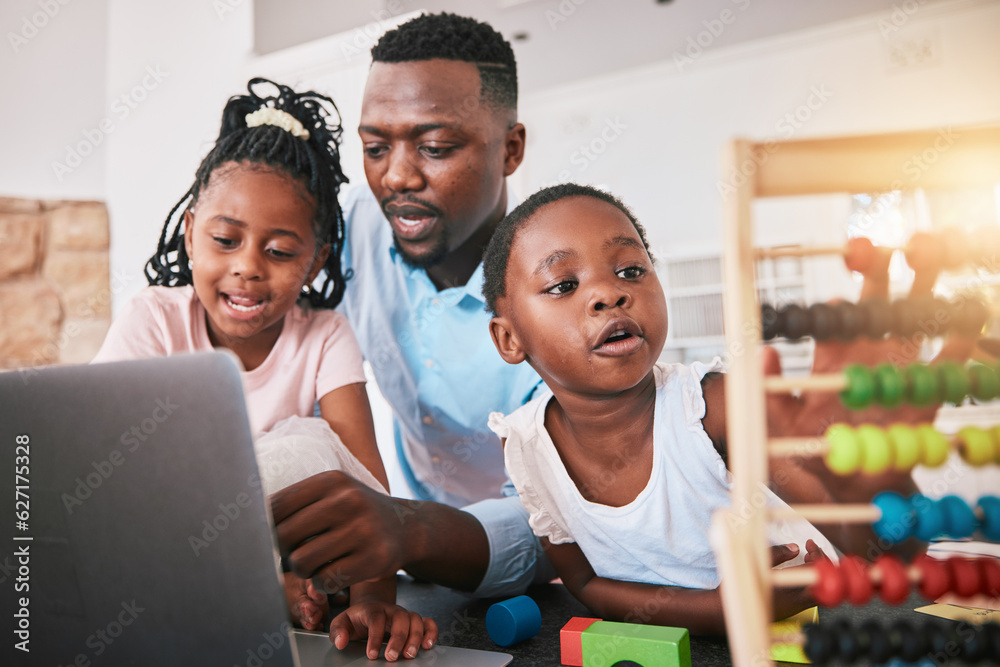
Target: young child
x,y
250,238
622,462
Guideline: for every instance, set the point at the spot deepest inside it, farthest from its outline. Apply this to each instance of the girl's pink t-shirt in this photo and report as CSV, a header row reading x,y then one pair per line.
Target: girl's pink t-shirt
x,y
315,353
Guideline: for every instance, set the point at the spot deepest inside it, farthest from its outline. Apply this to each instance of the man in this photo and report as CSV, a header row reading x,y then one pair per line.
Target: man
x,y
440,134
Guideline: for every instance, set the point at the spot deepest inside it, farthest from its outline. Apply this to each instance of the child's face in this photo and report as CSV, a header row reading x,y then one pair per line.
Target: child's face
x,y
583,304
252,246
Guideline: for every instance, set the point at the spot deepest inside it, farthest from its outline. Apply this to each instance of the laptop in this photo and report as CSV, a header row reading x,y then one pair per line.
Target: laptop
x,y
135,527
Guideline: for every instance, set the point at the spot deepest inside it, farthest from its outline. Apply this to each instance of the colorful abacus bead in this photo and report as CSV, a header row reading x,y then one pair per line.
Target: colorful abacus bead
x,y
965,576
960,520
830,586
990,525
878,317
769,322
905,318
844,455
923,252
990,572
954,385
922,387
931,518
905,447
976,445
860,255
890,385
983,382
894,586
935,577
898,518
876,450
970,316
860,391
858,584
934,446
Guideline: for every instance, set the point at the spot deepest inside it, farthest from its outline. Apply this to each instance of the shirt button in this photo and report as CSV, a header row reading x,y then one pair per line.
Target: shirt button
x,y
436,459
429,363
435,302
427,419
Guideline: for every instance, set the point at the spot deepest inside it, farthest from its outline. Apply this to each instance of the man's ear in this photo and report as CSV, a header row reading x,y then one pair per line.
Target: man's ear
x,y
322,253
513,149
506,341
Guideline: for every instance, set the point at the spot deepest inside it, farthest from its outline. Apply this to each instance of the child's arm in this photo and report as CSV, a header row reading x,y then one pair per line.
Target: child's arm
x,y
373,613
348,412
700,611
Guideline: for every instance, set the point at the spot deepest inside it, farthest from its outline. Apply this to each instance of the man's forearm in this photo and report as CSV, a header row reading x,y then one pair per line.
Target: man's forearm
x,y
447,546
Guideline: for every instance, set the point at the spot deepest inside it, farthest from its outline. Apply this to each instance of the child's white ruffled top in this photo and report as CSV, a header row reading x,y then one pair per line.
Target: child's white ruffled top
x,y
661,537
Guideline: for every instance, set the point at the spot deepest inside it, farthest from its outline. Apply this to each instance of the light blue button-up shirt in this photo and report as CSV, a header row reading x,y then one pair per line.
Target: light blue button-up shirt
x,y
437,367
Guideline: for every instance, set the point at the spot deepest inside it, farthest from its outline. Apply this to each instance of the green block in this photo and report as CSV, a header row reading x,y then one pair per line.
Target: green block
x,y
606,643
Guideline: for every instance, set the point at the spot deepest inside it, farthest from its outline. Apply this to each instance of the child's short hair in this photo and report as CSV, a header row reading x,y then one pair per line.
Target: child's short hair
x,y
453,37
498,251
313,161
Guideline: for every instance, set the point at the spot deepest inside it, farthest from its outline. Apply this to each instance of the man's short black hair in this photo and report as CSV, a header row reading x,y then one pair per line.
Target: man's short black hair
x,y
453,37
497,253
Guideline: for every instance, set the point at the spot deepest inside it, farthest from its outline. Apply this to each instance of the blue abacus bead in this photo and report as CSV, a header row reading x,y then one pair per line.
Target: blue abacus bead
x,y
898,518
991,518
960,520
514,620
931,518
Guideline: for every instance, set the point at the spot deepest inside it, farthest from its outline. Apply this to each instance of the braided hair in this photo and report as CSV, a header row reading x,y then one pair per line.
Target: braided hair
x,y
314,162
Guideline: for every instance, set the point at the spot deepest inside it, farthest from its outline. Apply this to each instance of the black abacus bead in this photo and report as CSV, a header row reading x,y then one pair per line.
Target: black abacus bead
x,y
878,317
768,321
912,644
794,321
882,647
974,642
851,645
905,320
819,643
992,631
852,319
939,641
825,322
970,316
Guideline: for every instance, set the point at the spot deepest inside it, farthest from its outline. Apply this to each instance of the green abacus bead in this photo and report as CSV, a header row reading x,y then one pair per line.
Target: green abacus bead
x,y
860,390
954,382
978,445
934,446
905,446
922,387
876,450
890,385
844,455
983,382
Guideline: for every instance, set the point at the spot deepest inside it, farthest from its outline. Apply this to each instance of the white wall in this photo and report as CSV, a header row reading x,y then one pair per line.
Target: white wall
x,y
52,74
669,127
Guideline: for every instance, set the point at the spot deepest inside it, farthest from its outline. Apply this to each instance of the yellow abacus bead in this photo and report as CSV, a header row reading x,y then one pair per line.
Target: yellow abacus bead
x,y
876,452
844,455
905,446
978,446
995,433
934,446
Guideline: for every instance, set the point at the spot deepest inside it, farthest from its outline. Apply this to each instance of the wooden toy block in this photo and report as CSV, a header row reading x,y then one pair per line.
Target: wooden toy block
x,y
606,644
570,643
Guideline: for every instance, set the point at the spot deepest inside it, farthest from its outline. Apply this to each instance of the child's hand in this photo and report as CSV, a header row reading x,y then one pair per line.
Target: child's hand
x,y
407,630
790,601
307,606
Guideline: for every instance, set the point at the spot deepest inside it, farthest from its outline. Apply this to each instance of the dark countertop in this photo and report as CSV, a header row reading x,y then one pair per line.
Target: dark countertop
x,y
462,621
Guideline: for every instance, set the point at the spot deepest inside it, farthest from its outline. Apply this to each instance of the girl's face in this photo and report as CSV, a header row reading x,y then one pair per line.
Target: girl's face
x,y
583,304
252,246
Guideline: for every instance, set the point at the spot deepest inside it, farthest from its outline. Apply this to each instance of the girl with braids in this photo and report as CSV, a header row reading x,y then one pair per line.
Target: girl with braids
x,y
237,267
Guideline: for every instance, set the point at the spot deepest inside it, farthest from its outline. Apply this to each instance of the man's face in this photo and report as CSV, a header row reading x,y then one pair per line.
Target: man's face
x,y
435,156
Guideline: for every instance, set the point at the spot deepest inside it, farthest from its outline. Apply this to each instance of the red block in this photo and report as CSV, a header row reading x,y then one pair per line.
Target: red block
x,y
570,643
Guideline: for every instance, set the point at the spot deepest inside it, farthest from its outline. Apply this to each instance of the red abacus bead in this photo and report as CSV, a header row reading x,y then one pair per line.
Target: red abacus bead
x,y
965,576
935,576
859,584
895,586
830,584
924,251
989,568
860,253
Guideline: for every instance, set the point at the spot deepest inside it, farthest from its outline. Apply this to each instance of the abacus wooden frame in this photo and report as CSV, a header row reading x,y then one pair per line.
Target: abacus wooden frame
x,y
944,158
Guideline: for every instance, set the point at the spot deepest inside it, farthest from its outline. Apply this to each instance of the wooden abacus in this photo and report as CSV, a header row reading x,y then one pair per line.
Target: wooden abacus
x,y
860,164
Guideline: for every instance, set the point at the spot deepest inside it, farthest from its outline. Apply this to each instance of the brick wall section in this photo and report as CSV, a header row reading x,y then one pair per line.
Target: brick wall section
x,y
55,287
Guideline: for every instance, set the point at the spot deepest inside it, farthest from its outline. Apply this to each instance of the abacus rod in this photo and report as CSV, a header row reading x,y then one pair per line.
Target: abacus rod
x,y
776,252
819,382
815,446
829,513
797,577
